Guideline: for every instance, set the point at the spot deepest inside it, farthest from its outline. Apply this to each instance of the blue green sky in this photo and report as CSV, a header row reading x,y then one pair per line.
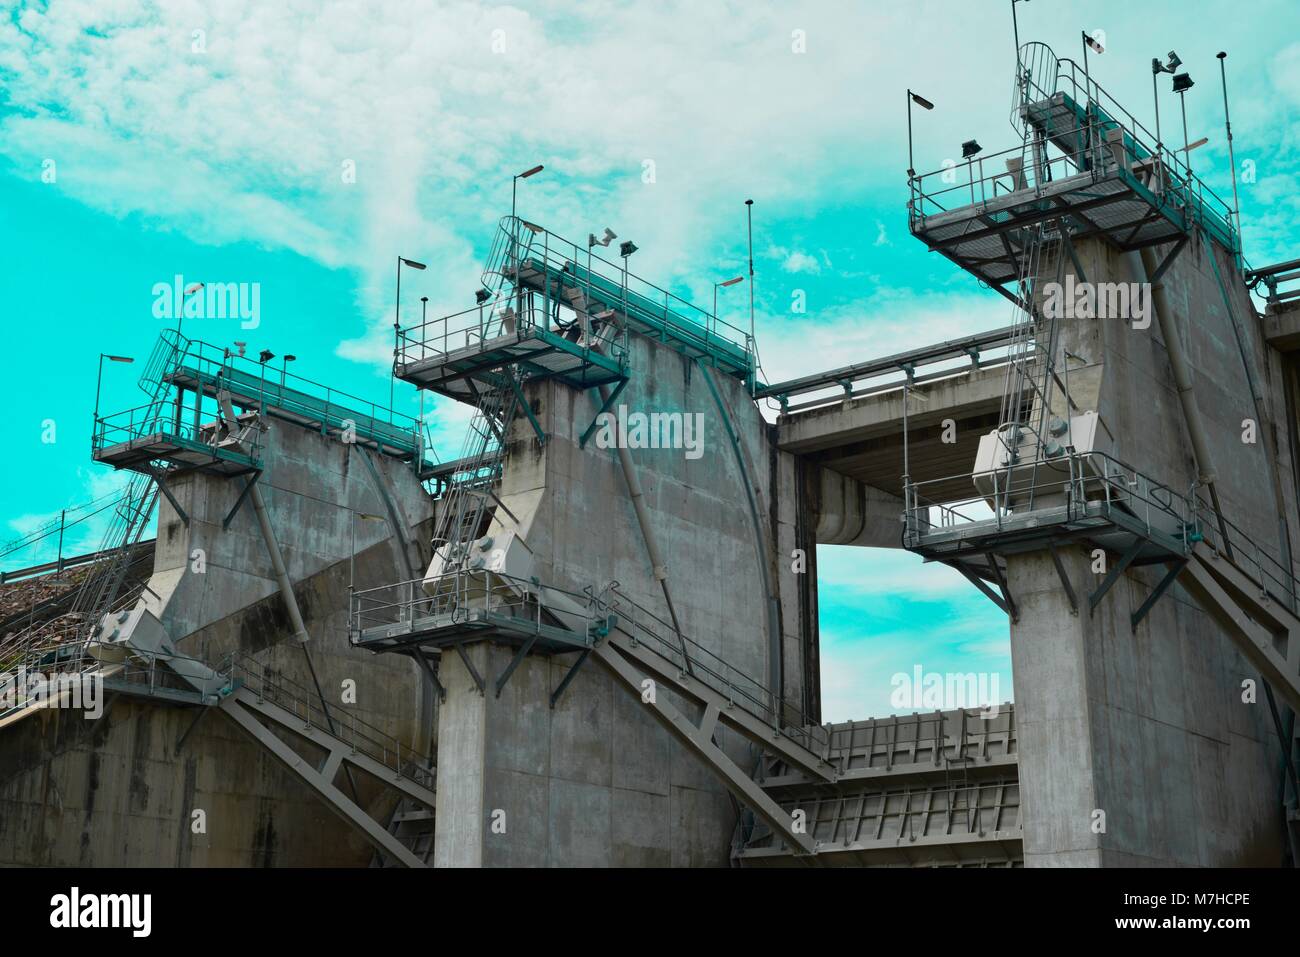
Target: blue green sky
x,y
219,157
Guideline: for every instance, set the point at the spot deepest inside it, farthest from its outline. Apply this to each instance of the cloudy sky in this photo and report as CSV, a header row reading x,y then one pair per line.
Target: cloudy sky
x,y
304,145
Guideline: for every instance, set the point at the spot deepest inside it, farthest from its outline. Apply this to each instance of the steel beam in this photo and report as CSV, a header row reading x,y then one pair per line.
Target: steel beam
x,y
160,481
248,487
1264,631
605,406
736,717
1112,576
1065,580
336,753
698,739
1173,569
569,676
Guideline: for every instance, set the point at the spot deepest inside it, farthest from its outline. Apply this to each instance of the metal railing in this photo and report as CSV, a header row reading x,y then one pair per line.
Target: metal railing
x,y
269,684
520,246
1094,481
1170,177
690,657
176,419
460,596
464,595
1244,551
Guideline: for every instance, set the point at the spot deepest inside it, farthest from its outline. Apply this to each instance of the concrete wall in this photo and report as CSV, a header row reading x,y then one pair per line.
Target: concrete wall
x,y
121,791
1149,726
597,781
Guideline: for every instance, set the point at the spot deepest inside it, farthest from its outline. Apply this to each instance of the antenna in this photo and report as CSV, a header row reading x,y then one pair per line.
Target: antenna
x,y
1232,160
753,345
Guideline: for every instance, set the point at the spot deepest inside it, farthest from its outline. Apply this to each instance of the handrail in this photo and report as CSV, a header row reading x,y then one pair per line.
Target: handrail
x,y
1152,502
1036,85
460,592
242,670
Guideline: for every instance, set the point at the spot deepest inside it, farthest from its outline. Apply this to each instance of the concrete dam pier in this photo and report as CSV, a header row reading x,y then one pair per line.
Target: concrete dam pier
x,y
589,637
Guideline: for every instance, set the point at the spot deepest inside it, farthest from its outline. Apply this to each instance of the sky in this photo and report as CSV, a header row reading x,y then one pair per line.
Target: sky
x,y
304,146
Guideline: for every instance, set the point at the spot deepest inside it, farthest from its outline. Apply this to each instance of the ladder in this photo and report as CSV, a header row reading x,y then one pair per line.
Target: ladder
x,y
464,506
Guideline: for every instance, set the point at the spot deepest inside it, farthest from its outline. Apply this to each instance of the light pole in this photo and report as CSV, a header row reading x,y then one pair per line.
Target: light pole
x,y
284,369
397,322
352,561
99,377
514,185
189,291
753,345
924,104
1172,64
716,287
1183,83
1232,160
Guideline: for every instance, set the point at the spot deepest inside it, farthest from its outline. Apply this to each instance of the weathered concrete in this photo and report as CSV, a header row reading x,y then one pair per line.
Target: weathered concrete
x,y
1149,728
568,779
121,791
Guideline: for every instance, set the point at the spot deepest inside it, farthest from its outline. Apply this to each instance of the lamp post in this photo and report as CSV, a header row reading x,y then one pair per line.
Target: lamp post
x,y
284,369
352,561
189,291
514,185
99,377
1183,83
397,321
753,346
716,287
1232,160
924,104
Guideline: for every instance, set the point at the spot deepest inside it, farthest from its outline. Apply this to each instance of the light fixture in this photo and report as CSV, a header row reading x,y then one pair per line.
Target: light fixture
x,y
1191,146
626,248
605,240
126,359
514,184
192,288
1093,44
920,101
413,264
1182,83
265,356
1174,62
481,296
732,282
969,149
531,227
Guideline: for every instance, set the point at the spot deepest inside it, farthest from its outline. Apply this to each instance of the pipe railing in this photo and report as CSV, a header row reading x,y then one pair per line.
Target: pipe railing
x,y
1091,479
269,684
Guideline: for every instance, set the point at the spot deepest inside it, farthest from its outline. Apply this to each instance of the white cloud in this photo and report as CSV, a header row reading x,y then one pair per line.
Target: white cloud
x,y
801,262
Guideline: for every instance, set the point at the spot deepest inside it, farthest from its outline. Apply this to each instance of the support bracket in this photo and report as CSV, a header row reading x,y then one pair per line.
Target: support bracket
x,y
1012,610
1168,260
1065,580
1171,573
1112,576
515,662
981,584
418,655
604,407
161,482
469,666
248,487
528,411
569,676
1074,256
